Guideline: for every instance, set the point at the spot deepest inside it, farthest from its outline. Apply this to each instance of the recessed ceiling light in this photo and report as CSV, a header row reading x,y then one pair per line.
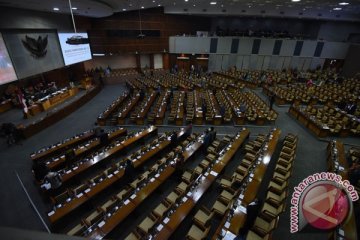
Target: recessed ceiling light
x,y
142,7
56,9
159,5
295,0
74,8
212,3
153,0
337,9
194,5
344,3
124,9
186,0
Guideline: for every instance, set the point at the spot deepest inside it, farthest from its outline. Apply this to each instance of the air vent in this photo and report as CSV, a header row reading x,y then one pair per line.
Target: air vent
x,y
204,10
185,9
244,11
224,10
281,12
263,12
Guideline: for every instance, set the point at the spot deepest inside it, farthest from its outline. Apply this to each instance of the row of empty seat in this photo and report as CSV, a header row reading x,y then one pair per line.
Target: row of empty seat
x,y
112,212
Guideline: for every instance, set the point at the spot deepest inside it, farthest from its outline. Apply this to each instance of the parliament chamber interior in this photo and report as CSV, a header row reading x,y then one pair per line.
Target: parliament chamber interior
x,y
182,119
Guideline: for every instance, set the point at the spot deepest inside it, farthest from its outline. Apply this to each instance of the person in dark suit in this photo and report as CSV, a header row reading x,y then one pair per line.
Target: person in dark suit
x,y
212,133
207,138
173,138
271,100
104,138
39,170
252,211
129,171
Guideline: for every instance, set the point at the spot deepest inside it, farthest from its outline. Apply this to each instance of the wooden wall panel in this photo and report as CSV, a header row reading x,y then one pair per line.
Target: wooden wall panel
x,y
151,19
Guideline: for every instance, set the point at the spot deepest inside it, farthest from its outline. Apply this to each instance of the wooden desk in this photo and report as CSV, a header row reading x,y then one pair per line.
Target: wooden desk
x,y
77,139
5,105
69,174
107,182
57,98
151,153
252,188
101,120
86,147
125,210
54,117
125,112
140,118
185,208
76,202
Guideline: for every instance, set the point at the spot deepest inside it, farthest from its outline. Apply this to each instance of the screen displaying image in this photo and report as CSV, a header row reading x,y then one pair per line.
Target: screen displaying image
x,y
75,47
7,72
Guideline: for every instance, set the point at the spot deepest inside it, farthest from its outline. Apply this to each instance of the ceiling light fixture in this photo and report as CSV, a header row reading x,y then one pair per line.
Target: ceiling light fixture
x,y
186,0
212,3
56,9
124,9
344,3
74,8
159,5
142,7
337,9
295,0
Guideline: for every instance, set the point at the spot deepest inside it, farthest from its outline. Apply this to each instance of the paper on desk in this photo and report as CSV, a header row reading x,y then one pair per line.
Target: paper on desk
x,y
75,168
51,213
184,199
127,202
102,223
159,227
152,179
79,195
242,209
157,175
110,176
214,173
133,196
116,172
227,225
87,190
166,220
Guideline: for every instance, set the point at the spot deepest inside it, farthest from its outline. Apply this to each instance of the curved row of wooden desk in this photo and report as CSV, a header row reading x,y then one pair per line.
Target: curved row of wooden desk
x,y
238,219
106,183
76,170
185,208
56,116
106,227
86,147
48,151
